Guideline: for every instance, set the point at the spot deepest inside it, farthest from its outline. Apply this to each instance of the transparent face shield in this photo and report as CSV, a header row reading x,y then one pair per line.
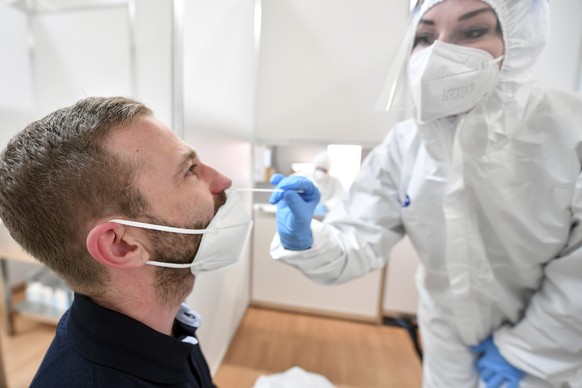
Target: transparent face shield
x,y
394,95
448,61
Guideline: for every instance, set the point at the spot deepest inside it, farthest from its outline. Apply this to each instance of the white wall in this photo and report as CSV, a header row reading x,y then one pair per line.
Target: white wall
x,y
16,87
220,66
75,56
560,64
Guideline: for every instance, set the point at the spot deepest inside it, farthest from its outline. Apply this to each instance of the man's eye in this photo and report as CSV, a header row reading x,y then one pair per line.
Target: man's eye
x,y
192,170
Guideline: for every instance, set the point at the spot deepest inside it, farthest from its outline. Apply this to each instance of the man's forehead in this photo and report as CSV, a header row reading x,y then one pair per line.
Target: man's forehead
x,y
142,132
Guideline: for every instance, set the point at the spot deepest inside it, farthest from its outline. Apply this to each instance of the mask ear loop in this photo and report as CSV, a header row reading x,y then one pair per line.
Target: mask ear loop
x,y
168,265
163,228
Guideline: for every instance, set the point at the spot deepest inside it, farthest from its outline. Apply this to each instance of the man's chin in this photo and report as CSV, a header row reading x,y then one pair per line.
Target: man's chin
x,y
174,287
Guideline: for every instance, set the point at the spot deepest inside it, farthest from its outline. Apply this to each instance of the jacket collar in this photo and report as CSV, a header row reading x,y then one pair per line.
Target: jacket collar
x,y
115,340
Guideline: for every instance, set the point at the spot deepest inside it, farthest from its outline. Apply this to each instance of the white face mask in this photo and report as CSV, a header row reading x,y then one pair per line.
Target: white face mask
x,y
448,79
223,241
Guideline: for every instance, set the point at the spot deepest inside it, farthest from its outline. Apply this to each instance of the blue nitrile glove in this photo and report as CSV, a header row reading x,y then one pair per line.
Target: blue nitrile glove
x,y
494,370
294,210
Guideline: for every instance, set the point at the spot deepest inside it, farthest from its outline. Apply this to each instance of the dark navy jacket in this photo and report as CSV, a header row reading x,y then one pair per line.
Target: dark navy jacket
x,y
98,347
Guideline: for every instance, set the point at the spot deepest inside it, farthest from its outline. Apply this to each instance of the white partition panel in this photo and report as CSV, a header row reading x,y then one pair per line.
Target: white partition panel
x,y
79,54
322,67
153,56
220,66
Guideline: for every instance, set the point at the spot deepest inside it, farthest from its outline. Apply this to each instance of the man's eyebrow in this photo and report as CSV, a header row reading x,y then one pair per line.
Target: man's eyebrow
x,y
185,161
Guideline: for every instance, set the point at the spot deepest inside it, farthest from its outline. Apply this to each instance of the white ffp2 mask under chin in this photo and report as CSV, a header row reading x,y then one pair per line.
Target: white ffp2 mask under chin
x,y
223,241
448,79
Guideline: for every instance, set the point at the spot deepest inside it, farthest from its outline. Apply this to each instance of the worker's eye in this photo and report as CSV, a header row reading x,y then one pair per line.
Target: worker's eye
x,y
424,39
474,33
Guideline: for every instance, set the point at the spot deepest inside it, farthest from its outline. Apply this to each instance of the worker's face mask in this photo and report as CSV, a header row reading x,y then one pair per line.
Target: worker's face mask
x,y
223,241
448,79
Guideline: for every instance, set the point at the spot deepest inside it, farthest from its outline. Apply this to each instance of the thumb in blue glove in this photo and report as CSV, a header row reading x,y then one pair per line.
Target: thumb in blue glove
x,y
295,207
493,368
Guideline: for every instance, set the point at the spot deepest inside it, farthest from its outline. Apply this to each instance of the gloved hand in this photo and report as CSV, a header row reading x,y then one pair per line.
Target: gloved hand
x,y
294,210
494,370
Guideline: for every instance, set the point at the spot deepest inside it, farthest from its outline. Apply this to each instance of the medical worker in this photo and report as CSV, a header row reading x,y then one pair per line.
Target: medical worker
x,y
330,187
485,180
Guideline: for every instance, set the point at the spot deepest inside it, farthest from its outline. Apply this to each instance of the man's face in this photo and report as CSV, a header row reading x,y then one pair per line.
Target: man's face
x,y
180,189
178,186
470,23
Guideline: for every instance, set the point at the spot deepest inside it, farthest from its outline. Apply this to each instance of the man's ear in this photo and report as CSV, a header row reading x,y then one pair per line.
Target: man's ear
x,y
111,245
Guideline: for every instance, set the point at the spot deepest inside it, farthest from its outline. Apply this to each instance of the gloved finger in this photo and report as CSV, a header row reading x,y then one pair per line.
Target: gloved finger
x,y
486,374
306,190
290,183
508,370
298,183
277,195
483,345
487,362
276,178
513,383
275,198
496,381
297,204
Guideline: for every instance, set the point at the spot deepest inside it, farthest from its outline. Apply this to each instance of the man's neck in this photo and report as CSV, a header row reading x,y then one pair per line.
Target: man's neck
x,y
158,317
140,302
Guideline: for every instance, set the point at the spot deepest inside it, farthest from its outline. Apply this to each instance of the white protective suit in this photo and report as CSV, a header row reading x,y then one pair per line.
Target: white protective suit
x,y
492,202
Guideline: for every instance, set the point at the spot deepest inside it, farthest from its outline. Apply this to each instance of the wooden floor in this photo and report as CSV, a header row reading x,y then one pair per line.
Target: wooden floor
x,y
23,352
349,354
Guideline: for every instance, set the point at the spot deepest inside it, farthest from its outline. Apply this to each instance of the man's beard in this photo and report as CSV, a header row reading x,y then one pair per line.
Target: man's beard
x,y
173,285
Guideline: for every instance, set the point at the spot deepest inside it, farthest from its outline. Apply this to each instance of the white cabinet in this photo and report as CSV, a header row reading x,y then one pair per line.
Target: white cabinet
x,y
275,284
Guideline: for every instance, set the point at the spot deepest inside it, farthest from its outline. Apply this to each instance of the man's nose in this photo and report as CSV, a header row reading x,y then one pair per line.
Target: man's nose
x,y
216,181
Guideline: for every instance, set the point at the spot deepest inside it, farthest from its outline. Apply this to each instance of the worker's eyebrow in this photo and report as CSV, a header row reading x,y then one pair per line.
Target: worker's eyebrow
x,y
474,13
468,15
